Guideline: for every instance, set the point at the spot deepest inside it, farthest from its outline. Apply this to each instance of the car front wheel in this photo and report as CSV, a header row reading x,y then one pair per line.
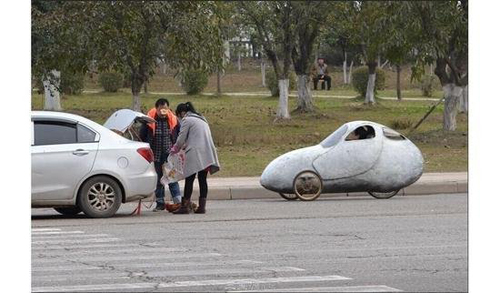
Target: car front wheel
x,y
100,197
307,185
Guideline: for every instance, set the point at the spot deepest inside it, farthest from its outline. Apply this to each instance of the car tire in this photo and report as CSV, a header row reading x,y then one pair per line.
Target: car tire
x,y
383,195
307,185
287,196
100,197
68,211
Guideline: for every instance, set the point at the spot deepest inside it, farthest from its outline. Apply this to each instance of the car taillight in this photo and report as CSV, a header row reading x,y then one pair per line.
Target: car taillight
x,y
146,153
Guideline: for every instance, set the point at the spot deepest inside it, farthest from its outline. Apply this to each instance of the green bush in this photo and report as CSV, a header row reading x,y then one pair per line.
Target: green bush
x,y
193,81
110,81
71,84
272,83
427,85
401,123
360,80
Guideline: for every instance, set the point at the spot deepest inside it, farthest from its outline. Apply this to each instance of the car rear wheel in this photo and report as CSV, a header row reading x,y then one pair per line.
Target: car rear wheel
x,y
69,211
292,196
307,185
100,197
383,195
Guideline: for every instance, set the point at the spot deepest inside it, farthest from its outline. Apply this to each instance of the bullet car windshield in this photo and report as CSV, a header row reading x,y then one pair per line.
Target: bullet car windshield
x,y
334,138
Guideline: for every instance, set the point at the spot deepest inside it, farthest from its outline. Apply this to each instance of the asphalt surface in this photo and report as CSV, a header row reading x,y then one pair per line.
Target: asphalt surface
x,y
407,243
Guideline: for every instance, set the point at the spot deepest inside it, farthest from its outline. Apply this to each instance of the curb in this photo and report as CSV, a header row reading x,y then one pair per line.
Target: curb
x,y
258,192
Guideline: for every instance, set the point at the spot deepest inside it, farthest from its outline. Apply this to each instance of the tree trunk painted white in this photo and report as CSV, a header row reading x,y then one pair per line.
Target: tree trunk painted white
x,y
263,71
452,96
136,102
239,61
163,68
350,72
370,89
283,101
304,97
227,51
345,68
378,61
51,83
398,82
219,90
464,101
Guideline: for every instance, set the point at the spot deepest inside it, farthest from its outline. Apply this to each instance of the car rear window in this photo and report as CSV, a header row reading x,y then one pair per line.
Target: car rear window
x,y
84,134
392,134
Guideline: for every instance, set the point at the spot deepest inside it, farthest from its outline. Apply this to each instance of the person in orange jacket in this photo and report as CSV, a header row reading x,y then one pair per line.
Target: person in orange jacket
x,y
161,136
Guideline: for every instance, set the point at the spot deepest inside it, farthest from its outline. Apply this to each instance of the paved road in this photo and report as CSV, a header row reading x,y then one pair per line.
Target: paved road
x,y
410,243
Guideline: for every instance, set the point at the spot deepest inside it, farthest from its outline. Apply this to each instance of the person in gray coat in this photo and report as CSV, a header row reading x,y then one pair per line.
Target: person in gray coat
x,y
201,156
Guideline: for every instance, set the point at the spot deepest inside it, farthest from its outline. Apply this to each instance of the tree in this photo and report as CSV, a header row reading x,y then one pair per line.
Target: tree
x,y
369,25
58,46
272,22
441,28
131,36
308,18
399,47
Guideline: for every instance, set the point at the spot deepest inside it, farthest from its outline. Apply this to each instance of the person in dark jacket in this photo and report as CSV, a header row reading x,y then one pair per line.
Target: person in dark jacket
x,y
161,136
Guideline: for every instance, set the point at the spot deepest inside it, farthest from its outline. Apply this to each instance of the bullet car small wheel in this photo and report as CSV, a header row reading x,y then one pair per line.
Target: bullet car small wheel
x,y
292,196
100,197
383,195
69,211
307,185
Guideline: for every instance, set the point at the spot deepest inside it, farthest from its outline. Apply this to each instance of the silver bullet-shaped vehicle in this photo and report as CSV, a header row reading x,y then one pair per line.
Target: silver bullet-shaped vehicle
x,y
360,156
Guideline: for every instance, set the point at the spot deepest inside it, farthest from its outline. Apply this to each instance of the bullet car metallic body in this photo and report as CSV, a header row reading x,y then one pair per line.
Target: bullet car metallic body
x,y
381,163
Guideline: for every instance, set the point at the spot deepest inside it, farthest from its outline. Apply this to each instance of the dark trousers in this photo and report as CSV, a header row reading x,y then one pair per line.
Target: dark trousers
x,y
326,79
202,182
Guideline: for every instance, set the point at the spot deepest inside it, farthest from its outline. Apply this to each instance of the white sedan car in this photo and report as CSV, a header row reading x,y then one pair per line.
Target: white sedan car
x,y
79,165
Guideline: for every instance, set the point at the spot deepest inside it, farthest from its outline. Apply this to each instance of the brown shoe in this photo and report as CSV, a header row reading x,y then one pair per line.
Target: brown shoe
x,y
171,207
184,209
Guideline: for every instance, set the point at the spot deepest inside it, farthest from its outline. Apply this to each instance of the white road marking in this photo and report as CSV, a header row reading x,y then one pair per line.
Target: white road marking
x,y
83,246
80,267
103,287
253,281
123,258
118,287
370,288
65,236
106,274
123,251
56,233
44,229
75,241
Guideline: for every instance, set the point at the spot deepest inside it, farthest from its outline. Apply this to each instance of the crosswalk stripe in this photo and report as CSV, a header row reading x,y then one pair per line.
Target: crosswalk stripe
x,y
72,267
75,241
44,229
123,258
369,288
124,251
106,274
56,233
103,287
252,281
83,246
118,287
64,236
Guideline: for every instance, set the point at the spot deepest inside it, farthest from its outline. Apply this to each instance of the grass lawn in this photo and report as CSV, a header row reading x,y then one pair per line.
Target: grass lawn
x,y
247,139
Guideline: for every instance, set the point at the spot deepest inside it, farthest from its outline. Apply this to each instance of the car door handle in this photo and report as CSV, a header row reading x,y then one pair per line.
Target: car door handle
x,y
80,152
